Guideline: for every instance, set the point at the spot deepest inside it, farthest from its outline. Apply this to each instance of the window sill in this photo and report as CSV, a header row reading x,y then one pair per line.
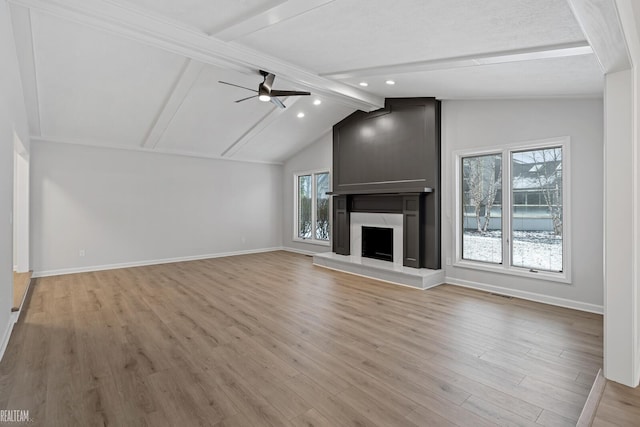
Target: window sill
x,y
515,271
312,242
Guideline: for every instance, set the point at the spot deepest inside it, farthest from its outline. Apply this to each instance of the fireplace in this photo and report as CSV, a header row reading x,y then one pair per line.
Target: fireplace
x,y
388,162
386,174
377,243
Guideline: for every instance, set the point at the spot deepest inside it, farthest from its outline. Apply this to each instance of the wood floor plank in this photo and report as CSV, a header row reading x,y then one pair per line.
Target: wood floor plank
x,y
330,406
375,409
425,417
311,418
271,340
619,406
551,419
495,413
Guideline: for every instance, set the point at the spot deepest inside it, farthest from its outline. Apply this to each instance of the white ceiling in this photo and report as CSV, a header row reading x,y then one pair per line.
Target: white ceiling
x,y
144,74
345,35
95,87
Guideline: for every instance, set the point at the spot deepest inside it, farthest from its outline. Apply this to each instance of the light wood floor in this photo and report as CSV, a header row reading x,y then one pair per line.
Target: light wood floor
x,y
20,286
619,406
269,339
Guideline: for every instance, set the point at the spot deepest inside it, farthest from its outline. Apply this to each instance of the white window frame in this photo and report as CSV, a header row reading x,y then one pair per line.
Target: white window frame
x,y
313,239
507,210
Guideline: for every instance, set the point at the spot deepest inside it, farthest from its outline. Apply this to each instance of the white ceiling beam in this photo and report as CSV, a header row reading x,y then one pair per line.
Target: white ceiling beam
x,y
600,22
21,19
541,52
279,13
258,127
186,41
179,92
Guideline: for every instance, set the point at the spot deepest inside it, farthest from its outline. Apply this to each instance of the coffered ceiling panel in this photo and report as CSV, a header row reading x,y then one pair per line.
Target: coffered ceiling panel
x,y
344,35
96,87
205,15
209,121
569,76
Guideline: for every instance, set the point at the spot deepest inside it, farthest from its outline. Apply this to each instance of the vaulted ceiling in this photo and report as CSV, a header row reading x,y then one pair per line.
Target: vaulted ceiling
x,y
143,74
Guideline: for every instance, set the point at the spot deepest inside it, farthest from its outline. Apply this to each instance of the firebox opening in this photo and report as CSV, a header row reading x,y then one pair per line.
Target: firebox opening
x,y
377,242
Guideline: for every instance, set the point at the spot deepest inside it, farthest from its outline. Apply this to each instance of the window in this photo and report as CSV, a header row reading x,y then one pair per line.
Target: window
x,y
511,209
482,218
537,223
312,207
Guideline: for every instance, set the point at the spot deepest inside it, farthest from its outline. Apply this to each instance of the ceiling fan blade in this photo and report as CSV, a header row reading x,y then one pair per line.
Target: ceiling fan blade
x,y
249,97
289,93
277,102
241,87
268,80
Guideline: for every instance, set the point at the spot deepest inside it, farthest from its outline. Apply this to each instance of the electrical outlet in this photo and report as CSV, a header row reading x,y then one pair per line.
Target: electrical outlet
x,y
81,252
448,261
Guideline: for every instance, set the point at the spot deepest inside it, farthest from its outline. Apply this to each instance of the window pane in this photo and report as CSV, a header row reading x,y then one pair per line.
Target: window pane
x,y
519,198
322,206
537,227
304,206
482,209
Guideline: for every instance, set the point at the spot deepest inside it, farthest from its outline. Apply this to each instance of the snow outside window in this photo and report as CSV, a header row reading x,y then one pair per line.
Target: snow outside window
x,y
512,209
312,206
482,208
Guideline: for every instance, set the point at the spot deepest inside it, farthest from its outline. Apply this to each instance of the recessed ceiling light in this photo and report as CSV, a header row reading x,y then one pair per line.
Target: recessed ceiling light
x,y
264,98
390,82
300,115
363,84
317,102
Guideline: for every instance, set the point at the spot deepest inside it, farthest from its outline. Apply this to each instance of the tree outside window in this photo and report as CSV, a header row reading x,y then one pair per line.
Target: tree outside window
x,y
322,206
482,209
304,207
518,220
538,221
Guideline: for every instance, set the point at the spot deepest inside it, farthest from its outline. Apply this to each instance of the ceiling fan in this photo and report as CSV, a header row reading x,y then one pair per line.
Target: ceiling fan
x,y
265,92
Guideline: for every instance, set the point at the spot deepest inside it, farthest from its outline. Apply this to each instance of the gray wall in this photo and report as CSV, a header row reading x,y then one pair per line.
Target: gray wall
x,y
480,124
13,122
315,157
125,207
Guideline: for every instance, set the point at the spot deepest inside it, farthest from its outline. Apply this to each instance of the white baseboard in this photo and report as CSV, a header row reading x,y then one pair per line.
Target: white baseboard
x,y
298,251
7,334
531,296
58,272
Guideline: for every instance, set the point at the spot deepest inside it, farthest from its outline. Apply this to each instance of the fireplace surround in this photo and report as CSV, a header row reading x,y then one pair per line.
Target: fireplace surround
x,y
360,220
